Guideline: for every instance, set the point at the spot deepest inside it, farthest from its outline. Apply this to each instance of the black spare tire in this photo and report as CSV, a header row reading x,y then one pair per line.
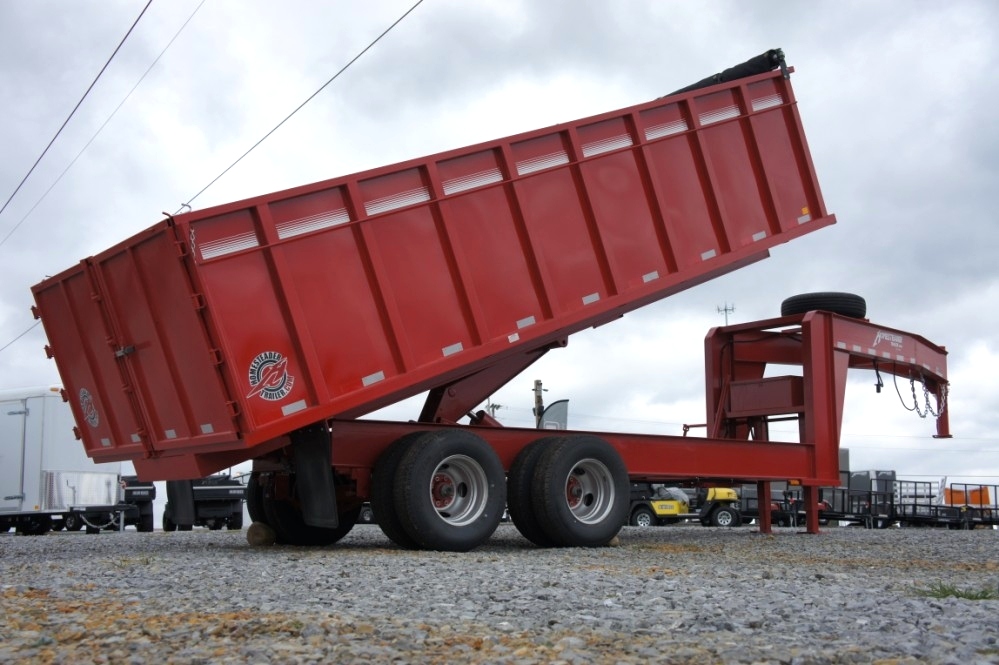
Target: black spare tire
x,y
845,304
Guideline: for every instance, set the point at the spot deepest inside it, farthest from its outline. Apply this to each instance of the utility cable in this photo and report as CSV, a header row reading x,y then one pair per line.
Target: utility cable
x,y
73,112
32,327
299,108
101,129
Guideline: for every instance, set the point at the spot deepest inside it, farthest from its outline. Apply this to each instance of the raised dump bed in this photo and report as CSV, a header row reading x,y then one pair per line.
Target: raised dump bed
x,y
263,328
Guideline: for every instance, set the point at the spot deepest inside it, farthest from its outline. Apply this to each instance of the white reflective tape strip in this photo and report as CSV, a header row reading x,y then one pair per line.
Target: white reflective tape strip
x,y
873,352
373,378
590,299
323,220
724,113
606,145
841,345
452,349
710,254
294,407
804,218
665,129
106,443
513,338
207,428
886,354
170,434
136,438
400,200
900,358
857,348
767,102
472,180
759,235
543,162
528,321
649,276
223,246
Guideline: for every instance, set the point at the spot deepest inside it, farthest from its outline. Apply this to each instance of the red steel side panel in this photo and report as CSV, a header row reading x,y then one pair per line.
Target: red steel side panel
x,y
252,319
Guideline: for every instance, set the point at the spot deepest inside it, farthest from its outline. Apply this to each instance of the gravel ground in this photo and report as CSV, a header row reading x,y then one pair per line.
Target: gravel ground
x,y
676,594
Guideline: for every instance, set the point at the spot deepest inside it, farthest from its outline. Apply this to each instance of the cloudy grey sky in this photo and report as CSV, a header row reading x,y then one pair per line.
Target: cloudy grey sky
x,y
897,98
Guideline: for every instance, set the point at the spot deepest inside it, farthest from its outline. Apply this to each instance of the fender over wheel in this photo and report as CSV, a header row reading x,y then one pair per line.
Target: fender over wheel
x,y
580,491
450,491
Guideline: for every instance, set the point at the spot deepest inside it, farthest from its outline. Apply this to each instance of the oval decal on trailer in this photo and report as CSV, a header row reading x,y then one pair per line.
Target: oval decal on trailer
x,y
269,376
89,408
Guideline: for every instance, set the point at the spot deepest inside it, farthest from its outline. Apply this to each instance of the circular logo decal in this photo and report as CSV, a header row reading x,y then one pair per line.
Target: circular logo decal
x,y
269,376
88,408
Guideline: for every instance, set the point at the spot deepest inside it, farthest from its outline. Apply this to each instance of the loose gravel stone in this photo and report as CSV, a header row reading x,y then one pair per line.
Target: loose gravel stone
x,y
682,594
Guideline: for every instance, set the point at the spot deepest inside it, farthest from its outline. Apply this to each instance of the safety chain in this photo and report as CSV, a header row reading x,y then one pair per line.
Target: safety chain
x,y
941,404
112,520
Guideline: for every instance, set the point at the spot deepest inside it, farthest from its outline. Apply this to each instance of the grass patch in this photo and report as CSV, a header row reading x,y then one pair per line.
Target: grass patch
x,y
941,590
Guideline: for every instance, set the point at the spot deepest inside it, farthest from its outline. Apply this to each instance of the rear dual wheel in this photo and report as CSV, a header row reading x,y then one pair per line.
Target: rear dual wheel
x,y
438,490
570,491
284,513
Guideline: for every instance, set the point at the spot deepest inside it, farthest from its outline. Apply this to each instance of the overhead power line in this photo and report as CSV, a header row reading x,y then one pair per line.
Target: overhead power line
x,y
73,112
300,106
101,128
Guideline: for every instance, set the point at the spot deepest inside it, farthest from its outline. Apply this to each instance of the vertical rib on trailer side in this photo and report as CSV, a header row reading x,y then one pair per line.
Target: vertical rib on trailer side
x,y
230,327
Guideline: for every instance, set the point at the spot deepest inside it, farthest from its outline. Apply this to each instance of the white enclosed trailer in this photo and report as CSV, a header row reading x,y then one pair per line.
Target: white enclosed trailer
x,y
46,479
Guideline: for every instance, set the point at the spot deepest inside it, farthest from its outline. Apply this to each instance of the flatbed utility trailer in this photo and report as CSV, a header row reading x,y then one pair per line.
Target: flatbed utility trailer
x,y
263,329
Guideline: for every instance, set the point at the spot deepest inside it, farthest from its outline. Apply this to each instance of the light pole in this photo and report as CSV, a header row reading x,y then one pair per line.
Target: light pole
x,y
726,309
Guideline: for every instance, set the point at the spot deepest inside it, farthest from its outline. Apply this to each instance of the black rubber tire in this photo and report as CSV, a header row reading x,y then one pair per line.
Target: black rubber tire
x,y
475,477
643,517
845,304
185,527
563,464
72,522
37,525
235,522
58,525
383,485
285,517
168,524
145,524
724,516
255,498
518,492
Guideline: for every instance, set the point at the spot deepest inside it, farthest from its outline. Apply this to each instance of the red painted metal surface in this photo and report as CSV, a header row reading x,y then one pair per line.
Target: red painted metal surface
x,y
207,338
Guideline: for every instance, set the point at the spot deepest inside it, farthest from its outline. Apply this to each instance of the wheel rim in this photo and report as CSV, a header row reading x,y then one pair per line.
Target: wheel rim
x,y
724,518
589,491
459,490
643,519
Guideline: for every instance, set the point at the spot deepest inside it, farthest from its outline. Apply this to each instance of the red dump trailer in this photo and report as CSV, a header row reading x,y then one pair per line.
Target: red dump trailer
x,y
264,328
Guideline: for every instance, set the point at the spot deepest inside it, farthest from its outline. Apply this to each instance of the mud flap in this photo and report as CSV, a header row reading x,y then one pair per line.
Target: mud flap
x,y
313,463
180,497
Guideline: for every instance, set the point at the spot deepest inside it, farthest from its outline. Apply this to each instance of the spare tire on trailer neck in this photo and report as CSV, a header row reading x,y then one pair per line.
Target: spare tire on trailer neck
x,y
845,304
